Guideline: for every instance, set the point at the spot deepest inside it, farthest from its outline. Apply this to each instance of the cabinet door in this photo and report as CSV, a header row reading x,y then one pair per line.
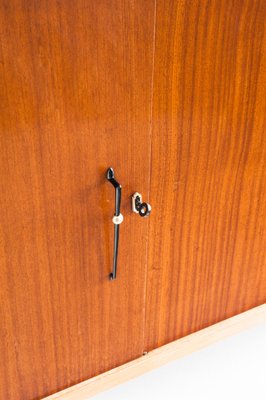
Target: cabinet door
x,y
208,240
75,87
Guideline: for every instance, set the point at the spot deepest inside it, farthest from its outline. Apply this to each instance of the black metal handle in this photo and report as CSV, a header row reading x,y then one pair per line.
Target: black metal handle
x,y
117,218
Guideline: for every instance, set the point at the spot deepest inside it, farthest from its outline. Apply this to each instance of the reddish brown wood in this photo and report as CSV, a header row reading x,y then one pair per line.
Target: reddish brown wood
x,y
207,233
75,87
76,97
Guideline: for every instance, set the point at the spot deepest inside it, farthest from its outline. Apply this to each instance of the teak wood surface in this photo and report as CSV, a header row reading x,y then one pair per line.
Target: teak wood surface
x,y
75,86
207,247
171,94
163,355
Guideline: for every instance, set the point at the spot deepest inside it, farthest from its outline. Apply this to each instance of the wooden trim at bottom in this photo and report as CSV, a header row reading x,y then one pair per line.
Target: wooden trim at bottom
x,y
163,355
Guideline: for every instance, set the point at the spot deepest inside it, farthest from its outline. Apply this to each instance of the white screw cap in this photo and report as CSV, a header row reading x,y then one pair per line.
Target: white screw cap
x,y
118,219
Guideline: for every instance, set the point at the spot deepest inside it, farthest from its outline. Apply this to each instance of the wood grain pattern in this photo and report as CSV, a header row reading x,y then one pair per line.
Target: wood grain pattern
x,y
75,87
163,355
207,243
76,97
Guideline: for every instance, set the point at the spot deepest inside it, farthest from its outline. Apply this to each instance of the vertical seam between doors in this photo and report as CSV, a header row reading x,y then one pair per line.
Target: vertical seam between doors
x,y
150,173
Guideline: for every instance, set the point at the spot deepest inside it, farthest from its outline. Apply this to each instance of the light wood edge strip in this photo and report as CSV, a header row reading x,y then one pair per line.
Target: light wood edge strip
x,y
163,355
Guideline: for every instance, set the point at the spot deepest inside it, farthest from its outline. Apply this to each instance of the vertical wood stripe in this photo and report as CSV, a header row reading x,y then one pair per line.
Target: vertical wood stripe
x,y
207,238
75,98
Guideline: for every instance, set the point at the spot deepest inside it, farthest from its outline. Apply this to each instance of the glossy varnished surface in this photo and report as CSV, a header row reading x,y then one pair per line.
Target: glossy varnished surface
x,y
76,97
75,87
207,233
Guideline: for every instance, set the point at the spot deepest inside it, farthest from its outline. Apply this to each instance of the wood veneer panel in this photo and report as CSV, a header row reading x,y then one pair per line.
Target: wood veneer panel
x,y
163,355
208,185
75,87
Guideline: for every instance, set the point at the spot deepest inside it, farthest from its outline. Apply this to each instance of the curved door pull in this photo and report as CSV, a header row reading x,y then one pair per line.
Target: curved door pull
x,y
117,218
143,209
